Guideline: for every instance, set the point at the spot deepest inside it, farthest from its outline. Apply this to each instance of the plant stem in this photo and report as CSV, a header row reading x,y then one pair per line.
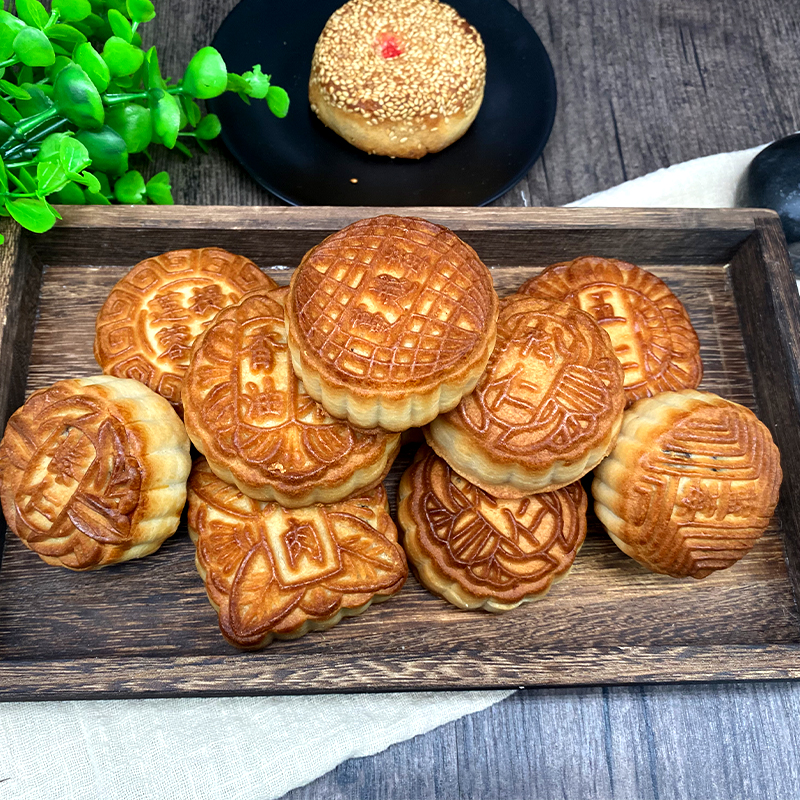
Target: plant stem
x,y
116,99
33,122
19,148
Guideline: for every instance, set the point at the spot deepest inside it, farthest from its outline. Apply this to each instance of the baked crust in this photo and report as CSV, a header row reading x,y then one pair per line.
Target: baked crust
x,y
398,78
246,411
477,551
691,484
272,572
391,321
546,410
149,321
649,328
93,472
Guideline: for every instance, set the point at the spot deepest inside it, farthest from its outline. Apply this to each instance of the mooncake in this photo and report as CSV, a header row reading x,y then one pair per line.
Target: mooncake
x,y
391,321
249,415
148,323
546,411
478,551
690,485
649,328
272,572
93,472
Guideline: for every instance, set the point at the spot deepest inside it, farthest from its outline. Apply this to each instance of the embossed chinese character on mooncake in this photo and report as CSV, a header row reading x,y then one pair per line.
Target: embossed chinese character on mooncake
x,y
152,316
276,572
649,327
547,409
690,485
478,551
391,321
248,414
93,471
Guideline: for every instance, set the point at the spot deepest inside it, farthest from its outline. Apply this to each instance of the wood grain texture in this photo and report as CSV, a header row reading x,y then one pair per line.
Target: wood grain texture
x,y
146,628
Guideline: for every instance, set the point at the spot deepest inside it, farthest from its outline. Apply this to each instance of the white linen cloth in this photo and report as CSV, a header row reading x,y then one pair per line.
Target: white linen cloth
x,y
256,748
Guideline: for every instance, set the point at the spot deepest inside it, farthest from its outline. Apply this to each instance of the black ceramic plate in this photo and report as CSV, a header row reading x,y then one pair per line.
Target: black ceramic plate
x,y
304,163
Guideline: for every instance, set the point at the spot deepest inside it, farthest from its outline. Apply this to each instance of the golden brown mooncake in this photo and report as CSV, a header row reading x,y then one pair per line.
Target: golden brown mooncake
x,y
146,327
272,572
546,411
249,415
93,471
651,332
478,551
391,321
398,78
691,484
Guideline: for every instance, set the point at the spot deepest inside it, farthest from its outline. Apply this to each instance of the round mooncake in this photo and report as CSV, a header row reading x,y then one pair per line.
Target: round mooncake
x,y
391,321
93,471
146,327
248,414
690,485
649,328
272,572
478,551
546,410
398,78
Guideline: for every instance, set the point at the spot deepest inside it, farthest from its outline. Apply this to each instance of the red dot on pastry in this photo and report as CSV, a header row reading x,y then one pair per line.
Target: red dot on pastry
x,y
389,45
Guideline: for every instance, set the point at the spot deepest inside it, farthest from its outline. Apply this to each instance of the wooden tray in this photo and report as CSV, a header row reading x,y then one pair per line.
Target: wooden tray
x,y
146,628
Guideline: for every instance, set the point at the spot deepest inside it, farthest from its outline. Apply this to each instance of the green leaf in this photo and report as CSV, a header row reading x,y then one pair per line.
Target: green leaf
x,y
8,113
72,155
50,149
141,10
258,83
65,33
5,132
191,110
33,48
7,36
38,101
97,199
133,123
73,10
27,180
120,26
77,99
93,65
3,178
106,149
91,26
206,76
166,116
92,183
278,101
58,65
209,127
16,92
70,195
32,12
122,58
15,23
50,178
159,190
130,188
32,213
181,147
152,78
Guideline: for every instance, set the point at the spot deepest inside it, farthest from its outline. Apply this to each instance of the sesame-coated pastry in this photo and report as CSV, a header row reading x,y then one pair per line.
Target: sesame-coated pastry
x,y
690,485
391,321
248,414
398,78
151,318
272,572
546,410
651,332
478,551
93,471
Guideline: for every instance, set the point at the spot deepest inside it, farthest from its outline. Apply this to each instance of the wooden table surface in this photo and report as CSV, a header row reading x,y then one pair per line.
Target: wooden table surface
x,y
642,84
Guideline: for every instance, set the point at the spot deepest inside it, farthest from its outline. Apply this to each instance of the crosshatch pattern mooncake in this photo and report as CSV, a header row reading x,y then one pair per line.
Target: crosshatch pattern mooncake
x,y
649,328
691,484
249,415
151,318
547,409
391,321
478,551
93,471
275,572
